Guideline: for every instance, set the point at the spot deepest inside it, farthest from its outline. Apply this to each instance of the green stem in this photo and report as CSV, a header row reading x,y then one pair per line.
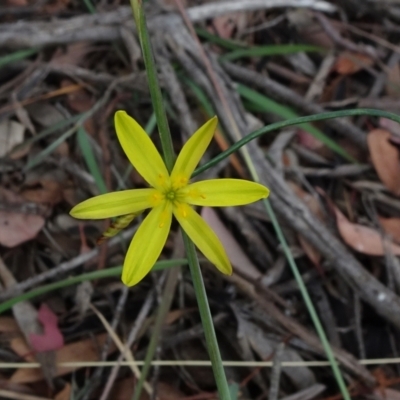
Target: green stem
x,y
206,319
155,91
309,303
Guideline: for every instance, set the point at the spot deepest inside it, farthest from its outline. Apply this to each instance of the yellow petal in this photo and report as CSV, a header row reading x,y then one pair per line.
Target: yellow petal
x,y
147,244
193,150
203,237
114,204
224,192
140,150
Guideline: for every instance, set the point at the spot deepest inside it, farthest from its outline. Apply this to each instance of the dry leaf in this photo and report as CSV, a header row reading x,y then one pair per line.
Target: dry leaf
x,y
85,350
49,192
72,55
390,125
17,227
79,100
349,63
45,114
362,238
11,135
233,249
392,227
385,158
8,324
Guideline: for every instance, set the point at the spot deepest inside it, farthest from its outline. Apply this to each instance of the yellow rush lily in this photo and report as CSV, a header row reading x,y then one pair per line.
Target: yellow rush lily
x,y
171,194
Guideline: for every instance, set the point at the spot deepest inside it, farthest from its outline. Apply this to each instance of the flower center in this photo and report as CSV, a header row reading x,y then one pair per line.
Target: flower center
x,y
170,195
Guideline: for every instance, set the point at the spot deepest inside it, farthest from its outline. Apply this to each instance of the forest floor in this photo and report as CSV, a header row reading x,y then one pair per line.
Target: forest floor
x,y
66,66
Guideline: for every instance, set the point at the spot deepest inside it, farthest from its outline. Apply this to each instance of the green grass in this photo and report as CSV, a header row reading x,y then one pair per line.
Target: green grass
x,y
17,56
90,159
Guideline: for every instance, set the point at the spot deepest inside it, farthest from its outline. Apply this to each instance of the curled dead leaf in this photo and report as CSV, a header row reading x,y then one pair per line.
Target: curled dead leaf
x,y
385,158
362,238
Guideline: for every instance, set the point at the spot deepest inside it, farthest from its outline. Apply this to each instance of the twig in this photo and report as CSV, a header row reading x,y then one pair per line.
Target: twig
x,y
287,96
276,373
64,267
131,339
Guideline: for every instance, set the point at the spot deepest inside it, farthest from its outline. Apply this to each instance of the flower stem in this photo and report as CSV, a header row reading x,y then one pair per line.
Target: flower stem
x,y
206,319
155,91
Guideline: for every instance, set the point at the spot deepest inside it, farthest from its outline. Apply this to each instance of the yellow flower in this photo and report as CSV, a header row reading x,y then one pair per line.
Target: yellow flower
x,y
171,194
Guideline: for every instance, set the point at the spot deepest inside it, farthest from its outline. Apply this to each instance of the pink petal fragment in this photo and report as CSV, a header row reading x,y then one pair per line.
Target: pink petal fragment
x,y
52,338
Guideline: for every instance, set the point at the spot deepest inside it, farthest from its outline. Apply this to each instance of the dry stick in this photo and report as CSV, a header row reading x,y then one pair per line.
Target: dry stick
x,y
95,378
131,339
126,351
287,96
106,27
340,40
292,326
299,217
64,267
173,86
276,373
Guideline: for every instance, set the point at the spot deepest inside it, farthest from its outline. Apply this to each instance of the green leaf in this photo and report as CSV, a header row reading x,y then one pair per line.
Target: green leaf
x,y
90,159
229,44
